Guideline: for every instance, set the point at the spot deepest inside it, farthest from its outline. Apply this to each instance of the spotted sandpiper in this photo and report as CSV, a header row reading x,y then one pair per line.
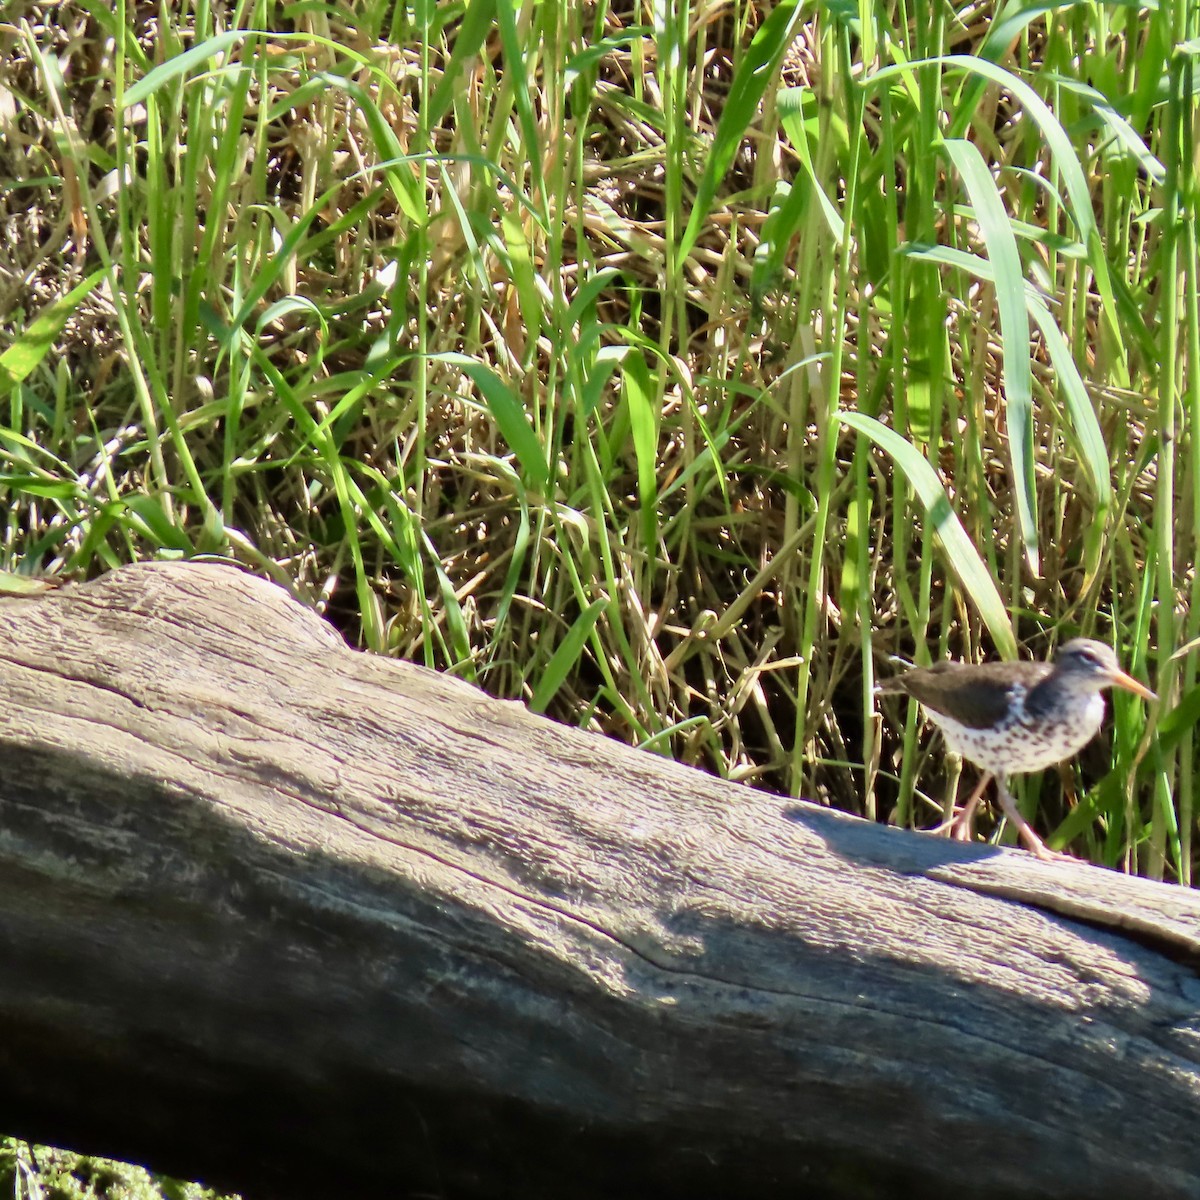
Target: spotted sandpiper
x,y
1013,717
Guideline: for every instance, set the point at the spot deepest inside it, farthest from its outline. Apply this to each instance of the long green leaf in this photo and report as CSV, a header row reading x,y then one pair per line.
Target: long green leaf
x,y
471,31
564,658
639,396
1079,196
961,556
509,414
34,343
519,259
1173,725
1079,405
756,71
799,114
183,63
1014,331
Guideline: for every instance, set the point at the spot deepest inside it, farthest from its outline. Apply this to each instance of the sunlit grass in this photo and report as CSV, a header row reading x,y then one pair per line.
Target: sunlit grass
x,y
669,369
30,1172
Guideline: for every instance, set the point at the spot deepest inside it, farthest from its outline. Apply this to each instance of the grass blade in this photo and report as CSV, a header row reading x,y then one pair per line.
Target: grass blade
x,y
756,72
566,655
34,343
1014,331
961,556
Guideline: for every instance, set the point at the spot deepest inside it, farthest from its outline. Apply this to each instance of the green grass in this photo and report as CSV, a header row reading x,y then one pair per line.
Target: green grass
x,y
671,372
39,1173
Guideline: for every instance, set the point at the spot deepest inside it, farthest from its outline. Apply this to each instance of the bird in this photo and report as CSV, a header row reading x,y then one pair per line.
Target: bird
x,y
1011,718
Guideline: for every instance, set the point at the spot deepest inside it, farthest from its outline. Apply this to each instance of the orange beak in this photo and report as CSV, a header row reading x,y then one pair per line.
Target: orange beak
x,y
1121,680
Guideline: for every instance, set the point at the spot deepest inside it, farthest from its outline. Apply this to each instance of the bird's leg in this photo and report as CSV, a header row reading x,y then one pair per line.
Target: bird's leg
x,y
962,828
960,823
1025,831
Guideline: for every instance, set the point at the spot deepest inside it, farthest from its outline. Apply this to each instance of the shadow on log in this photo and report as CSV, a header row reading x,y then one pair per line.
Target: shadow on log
x,y
301,921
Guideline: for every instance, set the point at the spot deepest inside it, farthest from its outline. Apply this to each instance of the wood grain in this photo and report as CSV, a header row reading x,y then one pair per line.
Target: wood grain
x,y
287,917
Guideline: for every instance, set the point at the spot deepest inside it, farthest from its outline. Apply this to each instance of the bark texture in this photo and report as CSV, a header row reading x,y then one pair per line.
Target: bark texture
x,y
288,917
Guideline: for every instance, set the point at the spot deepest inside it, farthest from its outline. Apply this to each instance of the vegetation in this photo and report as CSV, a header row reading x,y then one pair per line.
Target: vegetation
x,y
669,368
36,1173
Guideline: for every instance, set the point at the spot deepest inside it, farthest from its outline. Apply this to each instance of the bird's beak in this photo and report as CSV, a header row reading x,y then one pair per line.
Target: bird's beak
x,y
1121,680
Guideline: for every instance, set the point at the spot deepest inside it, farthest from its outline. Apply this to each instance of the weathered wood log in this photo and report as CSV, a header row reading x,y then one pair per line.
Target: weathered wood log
x,y
289,917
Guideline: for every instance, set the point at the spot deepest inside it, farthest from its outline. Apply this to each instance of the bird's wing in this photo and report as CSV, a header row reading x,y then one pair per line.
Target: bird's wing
x,y
968,693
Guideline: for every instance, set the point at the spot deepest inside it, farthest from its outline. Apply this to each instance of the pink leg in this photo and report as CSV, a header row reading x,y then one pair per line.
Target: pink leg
x,y
962,828
960,824
1025,831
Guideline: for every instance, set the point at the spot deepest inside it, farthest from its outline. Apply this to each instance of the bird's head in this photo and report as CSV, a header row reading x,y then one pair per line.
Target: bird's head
x,y
1094,666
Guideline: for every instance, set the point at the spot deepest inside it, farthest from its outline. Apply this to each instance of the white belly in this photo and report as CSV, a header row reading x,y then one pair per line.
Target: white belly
x,y
1040,746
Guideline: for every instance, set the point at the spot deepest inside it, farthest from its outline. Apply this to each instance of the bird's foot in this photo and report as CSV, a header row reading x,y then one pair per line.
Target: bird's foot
x,y
1026,832
960,826
1039,849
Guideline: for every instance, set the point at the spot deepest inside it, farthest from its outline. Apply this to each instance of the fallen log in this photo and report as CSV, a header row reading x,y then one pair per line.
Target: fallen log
x,y
288,917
